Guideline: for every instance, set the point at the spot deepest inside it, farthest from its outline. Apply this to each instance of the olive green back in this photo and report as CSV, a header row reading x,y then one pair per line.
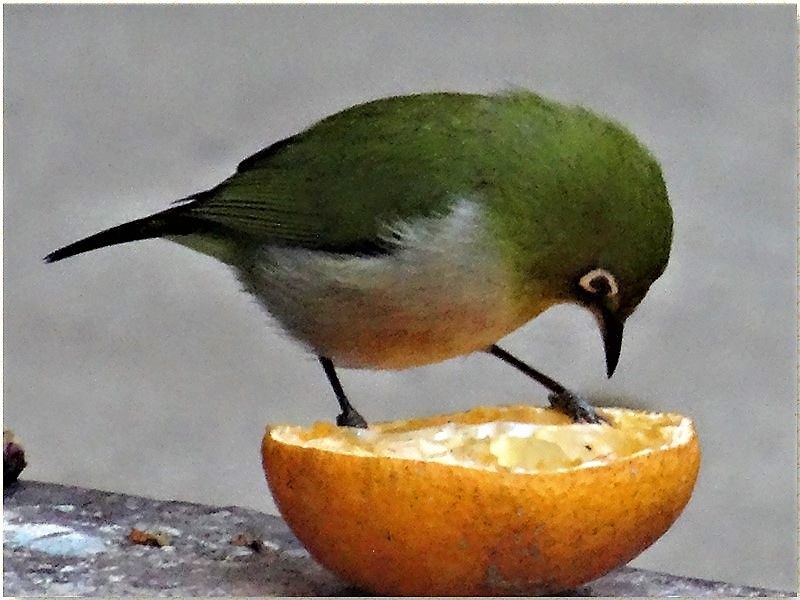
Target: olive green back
x,y
563,188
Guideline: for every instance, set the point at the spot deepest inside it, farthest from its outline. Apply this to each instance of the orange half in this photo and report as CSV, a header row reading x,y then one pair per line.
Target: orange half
x,y
494,501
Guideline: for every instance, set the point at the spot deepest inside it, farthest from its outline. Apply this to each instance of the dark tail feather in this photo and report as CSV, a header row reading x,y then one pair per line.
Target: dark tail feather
x,y
158,225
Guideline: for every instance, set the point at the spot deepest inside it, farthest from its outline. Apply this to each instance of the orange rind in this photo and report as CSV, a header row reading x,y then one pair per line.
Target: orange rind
x,y
493,501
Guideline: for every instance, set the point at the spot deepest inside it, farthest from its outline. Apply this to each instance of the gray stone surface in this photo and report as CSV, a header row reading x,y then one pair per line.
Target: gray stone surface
x,y
69,541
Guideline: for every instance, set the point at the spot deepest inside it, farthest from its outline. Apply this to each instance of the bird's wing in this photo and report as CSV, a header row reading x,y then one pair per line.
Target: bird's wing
x,y
342,184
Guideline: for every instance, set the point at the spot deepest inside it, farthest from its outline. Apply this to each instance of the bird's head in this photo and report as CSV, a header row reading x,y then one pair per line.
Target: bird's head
x,y
591,222
612,283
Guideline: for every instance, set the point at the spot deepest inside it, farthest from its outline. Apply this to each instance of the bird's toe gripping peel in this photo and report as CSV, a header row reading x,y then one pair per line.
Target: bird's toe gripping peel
x,y
576,407
351,418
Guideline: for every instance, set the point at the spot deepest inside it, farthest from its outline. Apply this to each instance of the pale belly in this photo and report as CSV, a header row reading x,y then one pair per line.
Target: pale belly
x,y
371,330
381,324
444,294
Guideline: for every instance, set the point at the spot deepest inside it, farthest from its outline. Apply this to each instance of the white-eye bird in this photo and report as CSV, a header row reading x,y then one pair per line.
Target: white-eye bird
x,y
409,230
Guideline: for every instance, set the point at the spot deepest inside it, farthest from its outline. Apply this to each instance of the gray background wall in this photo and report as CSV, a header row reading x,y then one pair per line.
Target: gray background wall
x,y
144,369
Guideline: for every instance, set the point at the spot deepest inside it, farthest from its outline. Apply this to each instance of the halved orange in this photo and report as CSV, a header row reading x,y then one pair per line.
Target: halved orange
x,y
493,501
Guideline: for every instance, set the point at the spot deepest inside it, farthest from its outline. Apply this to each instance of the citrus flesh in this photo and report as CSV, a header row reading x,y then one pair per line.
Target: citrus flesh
x,y
492,501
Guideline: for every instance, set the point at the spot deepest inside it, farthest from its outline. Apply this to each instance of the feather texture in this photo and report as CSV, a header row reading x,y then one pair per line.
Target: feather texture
x,y
445,291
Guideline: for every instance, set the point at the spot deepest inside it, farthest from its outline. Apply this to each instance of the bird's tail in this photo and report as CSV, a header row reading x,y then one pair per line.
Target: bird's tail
x,y
168,222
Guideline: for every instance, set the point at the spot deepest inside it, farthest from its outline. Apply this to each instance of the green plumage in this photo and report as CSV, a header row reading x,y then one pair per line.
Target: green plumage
x,y
563,185
347,178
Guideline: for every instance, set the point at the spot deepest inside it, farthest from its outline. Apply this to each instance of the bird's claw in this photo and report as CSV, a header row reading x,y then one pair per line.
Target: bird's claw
x,y
351,418
577,408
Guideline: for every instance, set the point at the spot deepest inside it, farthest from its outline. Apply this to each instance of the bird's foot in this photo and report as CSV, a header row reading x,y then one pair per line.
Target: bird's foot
x,y
351,418
576,408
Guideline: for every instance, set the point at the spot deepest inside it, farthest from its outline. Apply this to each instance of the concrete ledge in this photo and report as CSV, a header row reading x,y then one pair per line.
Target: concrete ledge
x,y
69,541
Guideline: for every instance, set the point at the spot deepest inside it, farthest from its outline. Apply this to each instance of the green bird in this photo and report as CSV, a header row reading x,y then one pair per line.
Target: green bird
x,y
413,229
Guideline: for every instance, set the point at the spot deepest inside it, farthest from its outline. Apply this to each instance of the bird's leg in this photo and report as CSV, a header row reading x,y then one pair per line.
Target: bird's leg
x,y
349,416
576,407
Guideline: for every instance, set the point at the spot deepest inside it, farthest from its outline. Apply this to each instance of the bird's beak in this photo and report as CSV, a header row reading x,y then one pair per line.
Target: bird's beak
x,y
611,329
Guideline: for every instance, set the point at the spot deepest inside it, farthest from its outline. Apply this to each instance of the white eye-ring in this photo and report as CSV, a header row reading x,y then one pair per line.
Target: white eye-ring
x,y
600,281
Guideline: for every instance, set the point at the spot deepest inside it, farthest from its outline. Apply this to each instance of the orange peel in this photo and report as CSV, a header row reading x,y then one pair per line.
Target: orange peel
x,y
493,501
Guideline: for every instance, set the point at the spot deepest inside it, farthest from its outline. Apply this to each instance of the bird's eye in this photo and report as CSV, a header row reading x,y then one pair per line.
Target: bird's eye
x,y
599,282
